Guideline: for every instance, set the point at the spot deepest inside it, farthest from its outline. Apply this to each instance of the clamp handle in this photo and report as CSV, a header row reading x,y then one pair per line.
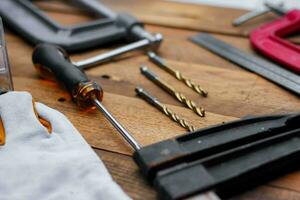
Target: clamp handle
x,y
268,39
53,62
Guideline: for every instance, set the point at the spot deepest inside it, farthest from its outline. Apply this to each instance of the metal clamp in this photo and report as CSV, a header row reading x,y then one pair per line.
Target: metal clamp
x,y
36,27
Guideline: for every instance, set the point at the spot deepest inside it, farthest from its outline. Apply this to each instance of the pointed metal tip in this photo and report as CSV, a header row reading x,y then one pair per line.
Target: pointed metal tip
x,y
204,93
151,54
139,89
144,68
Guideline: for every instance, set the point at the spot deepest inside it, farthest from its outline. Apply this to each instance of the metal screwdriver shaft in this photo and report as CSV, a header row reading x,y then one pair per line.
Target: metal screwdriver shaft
x,y
177,74
164,109
127,136
179,96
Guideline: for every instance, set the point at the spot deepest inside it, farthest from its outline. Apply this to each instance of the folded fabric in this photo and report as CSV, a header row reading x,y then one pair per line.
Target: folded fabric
x,y
43,157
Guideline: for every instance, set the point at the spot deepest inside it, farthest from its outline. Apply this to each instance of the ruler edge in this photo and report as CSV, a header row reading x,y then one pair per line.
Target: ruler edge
x,y
292,90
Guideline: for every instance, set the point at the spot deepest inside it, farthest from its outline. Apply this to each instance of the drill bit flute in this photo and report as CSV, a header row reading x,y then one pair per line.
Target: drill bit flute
x,y
164,109
179,96
177,74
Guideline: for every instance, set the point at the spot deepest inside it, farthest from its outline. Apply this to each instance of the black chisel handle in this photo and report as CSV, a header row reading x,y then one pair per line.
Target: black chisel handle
x,y
50,58
52,61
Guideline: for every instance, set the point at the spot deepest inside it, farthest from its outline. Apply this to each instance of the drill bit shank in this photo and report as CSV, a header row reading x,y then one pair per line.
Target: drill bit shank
x,y
179,96
164,109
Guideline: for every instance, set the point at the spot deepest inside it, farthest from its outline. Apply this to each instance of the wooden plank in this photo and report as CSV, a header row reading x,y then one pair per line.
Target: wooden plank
x,y
145,123
173,47
268,193
230,91
179,15
233,92
195,17
126,173
290,182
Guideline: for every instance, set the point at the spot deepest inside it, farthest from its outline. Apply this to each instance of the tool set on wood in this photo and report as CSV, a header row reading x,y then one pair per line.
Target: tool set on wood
x,y
205,162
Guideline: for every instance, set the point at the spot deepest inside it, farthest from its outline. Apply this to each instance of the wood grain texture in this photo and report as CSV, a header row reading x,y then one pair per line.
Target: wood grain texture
x,y
233,92
145,123
178,15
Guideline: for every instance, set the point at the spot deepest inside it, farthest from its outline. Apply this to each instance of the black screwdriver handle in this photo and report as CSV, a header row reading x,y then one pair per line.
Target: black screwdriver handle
x,y
53,62
49,59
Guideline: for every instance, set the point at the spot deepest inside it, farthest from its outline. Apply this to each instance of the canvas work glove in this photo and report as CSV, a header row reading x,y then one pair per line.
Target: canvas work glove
x,y
43,157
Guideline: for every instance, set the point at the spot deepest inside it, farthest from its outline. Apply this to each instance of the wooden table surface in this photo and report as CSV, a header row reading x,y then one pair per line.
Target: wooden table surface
x,y
233,92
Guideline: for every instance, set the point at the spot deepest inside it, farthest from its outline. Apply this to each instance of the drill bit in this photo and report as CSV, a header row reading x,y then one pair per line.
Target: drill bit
x,y
163,108
179,96
177,74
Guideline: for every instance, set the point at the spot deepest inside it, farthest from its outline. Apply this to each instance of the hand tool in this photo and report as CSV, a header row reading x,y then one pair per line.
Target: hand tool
x,y
163,108
268,70
177,74
268,7
269,38
236,155
35,26
52,64
178,95
86,93
6,83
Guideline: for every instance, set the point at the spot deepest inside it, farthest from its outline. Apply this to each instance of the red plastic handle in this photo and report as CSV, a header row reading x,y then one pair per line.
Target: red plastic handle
x,y
268,39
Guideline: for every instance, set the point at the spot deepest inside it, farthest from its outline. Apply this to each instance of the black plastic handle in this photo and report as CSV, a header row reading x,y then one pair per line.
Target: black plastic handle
x,y
51,59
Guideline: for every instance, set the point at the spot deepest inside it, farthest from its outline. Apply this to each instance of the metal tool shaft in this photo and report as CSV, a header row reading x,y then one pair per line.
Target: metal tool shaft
x,y
126,135
164,109
178,95
250,15
141,44
268,7
177,74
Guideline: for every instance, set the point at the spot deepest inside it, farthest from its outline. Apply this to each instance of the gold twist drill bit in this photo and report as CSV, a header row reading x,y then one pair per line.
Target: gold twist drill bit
x,y
177,74
179,96
164,109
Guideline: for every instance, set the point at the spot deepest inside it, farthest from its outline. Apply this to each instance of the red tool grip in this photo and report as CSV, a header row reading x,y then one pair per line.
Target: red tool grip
x,y
268,39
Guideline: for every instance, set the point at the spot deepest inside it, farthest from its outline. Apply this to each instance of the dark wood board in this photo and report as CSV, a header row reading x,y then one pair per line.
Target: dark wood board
x,y
233,92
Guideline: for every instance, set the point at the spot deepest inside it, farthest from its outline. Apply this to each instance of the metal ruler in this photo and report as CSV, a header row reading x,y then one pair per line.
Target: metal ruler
x,y
262,67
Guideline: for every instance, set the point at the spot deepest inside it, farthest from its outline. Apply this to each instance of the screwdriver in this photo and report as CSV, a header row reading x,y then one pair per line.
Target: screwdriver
x,y
51,63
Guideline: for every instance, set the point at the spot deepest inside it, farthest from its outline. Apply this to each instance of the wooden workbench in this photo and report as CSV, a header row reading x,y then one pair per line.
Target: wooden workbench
x,y
233,92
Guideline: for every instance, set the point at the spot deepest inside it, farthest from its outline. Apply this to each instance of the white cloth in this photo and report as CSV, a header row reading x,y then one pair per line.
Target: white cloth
x,y
36,165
